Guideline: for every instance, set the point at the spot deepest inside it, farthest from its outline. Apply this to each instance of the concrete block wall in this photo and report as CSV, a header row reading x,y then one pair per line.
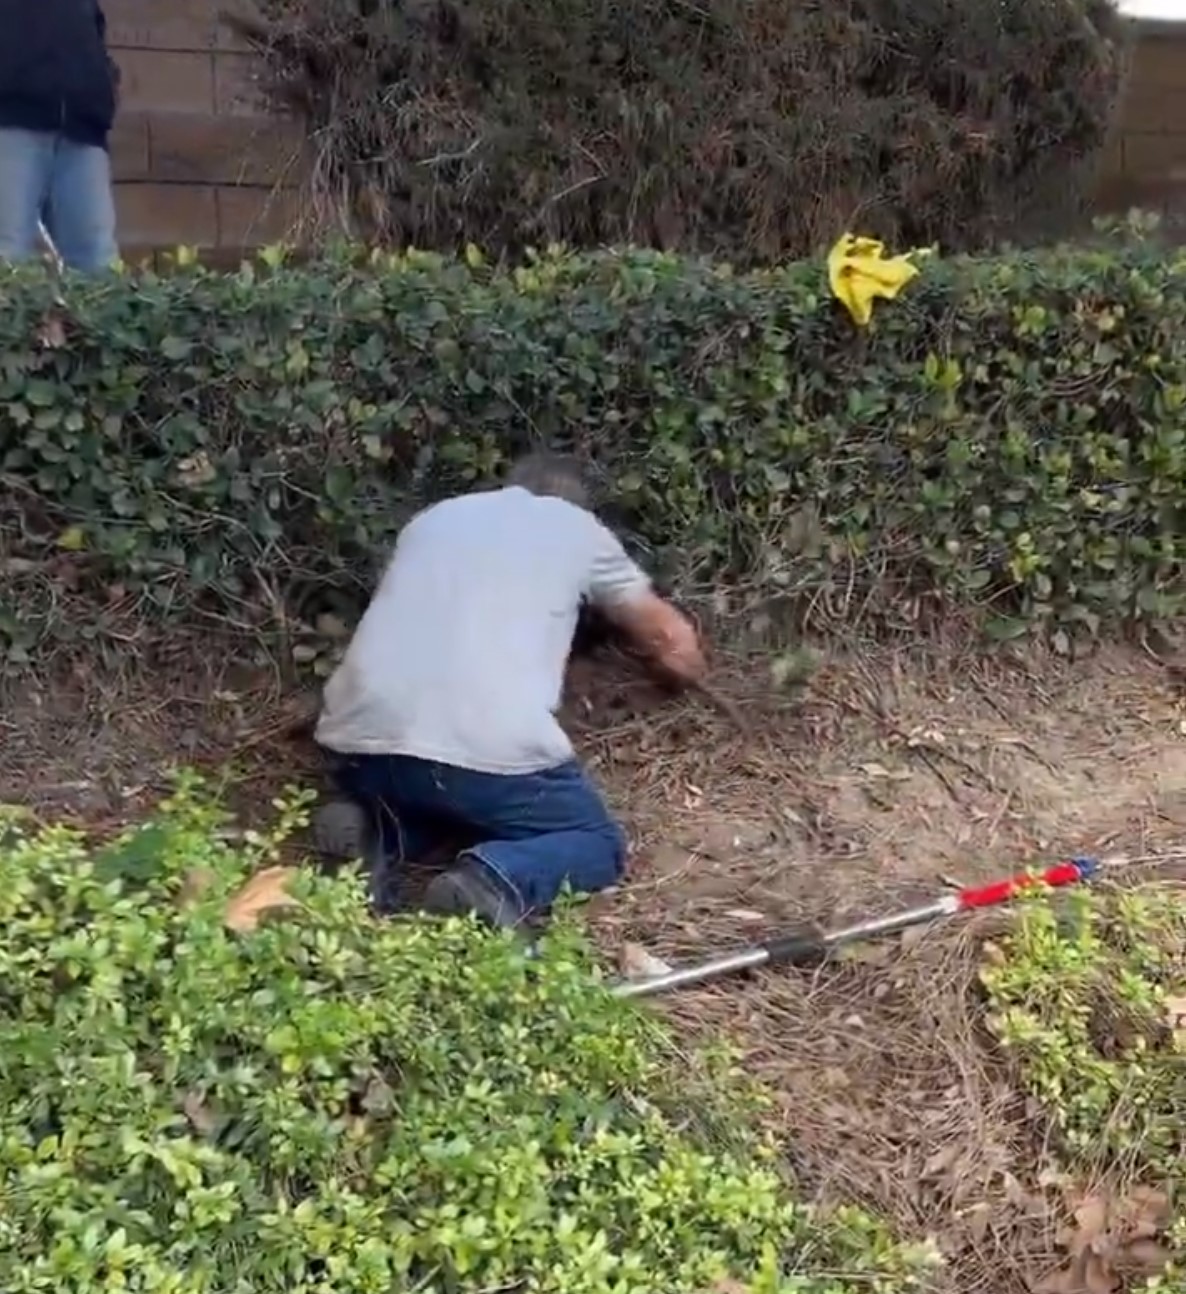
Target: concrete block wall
x,y
1146,164
197,160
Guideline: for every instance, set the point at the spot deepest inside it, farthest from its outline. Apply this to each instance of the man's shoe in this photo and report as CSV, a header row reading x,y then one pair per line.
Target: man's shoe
x,y
343,830
471,888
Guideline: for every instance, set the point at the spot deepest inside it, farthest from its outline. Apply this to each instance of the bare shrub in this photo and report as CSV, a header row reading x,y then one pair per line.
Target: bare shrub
x,y
751,128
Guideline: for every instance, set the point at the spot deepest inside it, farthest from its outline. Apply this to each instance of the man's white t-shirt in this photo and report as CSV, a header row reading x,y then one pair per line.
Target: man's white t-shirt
x,y
461,654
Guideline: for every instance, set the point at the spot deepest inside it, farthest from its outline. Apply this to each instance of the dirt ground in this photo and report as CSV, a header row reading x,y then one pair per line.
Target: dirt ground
x,y
890,776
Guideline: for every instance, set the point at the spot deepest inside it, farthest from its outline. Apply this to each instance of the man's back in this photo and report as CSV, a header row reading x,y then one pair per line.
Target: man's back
x,y
460,657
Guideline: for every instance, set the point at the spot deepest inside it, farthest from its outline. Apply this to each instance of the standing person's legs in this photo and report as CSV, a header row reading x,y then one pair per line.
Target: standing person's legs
x,y
80,207
538,833
26,169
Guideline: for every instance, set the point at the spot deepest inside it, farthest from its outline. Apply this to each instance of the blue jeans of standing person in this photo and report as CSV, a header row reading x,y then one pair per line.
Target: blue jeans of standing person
x,y
535,833
66,186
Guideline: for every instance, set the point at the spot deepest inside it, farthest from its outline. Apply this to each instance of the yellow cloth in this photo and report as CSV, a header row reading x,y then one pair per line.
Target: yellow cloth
x,y
859,271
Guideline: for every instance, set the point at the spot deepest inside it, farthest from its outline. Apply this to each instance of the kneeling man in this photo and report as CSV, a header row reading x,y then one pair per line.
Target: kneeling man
x,y
442,714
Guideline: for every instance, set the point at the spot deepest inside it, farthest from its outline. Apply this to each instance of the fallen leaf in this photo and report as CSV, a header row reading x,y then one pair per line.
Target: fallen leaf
x,y
1097,1276
52,333
202,1118
637,963
993,953
1148,1256
1091,1221
197,881
1145,1211
976,1218
264,892
196,470
72,539
1086,1274
942,1160
889,774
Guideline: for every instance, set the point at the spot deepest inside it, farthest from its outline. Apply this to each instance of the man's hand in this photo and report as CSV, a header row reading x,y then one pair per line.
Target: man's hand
x,y
664,635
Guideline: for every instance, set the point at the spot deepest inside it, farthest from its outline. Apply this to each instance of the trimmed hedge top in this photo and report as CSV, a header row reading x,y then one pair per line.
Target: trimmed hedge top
x,y
1012,431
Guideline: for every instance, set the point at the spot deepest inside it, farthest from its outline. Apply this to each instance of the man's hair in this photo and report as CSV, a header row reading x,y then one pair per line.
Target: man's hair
x,y
557,476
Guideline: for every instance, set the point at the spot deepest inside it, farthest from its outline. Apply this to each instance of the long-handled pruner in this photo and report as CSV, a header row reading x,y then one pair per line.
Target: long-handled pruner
x,y
811,947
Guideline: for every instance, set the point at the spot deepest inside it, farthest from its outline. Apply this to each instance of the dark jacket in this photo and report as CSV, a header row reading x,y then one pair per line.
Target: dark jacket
x,y
54,70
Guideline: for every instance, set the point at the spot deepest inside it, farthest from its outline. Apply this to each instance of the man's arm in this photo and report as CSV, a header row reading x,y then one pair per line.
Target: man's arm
x,y
623,593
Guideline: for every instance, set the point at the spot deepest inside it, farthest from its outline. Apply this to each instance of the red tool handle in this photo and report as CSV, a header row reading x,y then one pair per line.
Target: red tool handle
x,y
986,896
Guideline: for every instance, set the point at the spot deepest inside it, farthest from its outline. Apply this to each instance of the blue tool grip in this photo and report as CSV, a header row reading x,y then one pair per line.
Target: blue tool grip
x,y
1087,867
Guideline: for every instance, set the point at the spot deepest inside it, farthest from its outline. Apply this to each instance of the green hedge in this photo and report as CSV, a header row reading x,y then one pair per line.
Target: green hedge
x,y
1011,432
328,1104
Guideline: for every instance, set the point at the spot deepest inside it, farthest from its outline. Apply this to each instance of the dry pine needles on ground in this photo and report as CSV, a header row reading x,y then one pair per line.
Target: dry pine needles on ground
x,y
865,791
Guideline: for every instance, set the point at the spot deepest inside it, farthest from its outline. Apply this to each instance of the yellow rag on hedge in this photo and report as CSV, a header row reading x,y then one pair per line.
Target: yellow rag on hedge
x,y
859,271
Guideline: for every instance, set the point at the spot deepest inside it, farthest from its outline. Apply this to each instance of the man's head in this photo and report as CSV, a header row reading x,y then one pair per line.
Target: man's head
x,y
557,476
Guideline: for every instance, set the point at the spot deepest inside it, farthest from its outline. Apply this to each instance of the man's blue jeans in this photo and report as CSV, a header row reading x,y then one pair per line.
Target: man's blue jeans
x,y
535,832
66,186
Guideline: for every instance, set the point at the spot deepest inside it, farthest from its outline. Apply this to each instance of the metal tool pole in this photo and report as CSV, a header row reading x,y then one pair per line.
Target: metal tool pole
x,y
801,949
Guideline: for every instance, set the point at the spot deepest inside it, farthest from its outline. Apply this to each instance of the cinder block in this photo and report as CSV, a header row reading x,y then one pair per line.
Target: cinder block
x,y
162,24
166,215
1161,157
1159,61
186,148
163,81
1152,110
129,147
255,217
237,87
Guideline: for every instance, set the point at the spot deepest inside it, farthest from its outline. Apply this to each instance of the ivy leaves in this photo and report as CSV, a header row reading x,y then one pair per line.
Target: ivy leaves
x,y
221,433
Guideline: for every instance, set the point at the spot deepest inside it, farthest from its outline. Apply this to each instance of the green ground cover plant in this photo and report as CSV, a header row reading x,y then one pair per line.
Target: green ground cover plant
x,y
1090,1001
213,1084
